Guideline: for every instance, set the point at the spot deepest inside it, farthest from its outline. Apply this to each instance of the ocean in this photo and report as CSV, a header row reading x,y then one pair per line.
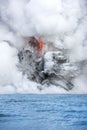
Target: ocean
x,y
43,112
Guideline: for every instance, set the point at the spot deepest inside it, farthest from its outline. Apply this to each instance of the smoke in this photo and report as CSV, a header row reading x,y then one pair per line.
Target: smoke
x,y
62,22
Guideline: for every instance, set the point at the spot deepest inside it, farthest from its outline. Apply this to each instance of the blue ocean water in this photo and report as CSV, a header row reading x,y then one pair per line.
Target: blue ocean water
x,y
43,112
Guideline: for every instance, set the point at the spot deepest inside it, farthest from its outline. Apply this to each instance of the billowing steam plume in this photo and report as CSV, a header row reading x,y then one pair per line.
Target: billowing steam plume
x,y
59,24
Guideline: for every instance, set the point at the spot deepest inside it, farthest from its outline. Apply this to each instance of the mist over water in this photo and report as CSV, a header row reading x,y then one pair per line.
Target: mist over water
x,y
61,23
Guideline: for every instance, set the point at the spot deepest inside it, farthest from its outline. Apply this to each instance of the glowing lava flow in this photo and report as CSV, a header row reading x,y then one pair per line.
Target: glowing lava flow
x,y
40,45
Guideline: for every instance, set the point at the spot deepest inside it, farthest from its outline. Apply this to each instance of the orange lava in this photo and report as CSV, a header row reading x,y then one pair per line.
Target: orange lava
x,y
40,44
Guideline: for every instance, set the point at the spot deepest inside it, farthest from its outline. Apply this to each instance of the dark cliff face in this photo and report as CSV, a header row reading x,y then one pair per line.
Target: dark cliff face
x,y
51,67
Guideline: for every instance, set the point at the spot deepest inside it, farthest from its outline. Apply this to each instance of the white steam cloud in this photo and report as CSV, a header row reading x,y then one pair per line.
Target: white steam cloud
x,y
63,22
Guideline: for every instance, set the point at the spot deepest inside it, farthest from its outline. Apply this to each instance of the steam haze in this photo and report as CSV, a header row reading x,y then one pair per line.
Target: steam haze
x,y
61,22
